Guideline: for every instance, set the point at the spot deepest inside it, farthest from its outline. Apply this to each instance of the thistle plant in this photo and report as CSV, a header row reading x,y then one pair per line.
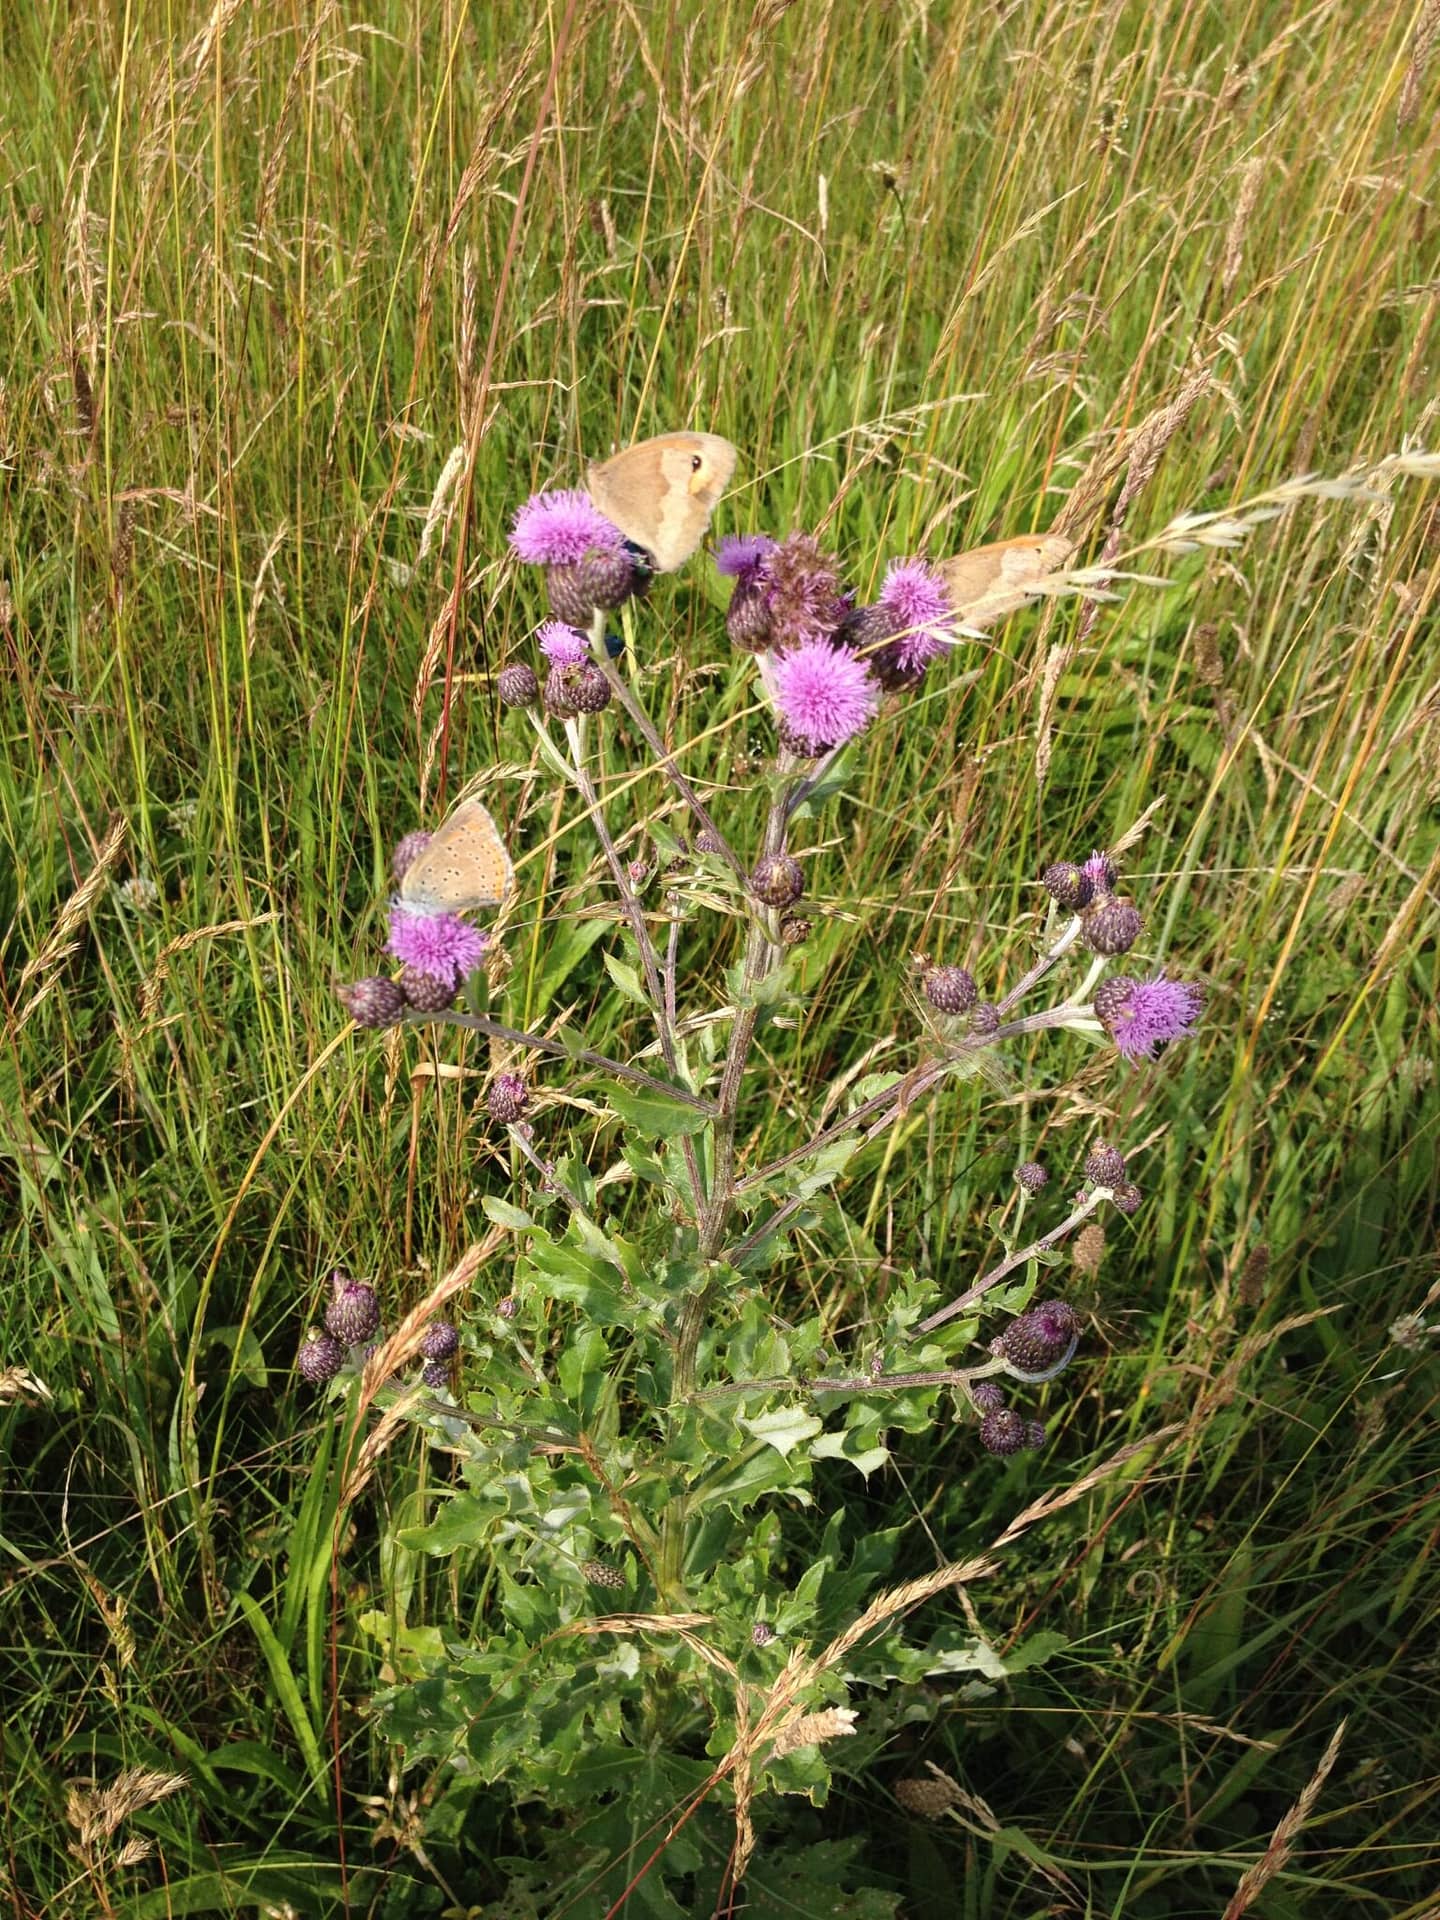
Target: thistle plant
x,y
637,1411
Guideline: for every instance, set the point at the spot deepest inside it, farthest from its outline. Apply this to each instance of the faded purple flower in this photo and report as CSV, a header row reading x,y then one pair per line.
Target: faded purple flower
x,y
435,943
740,554
555,529
915,594
562,646
1141,1015
407,850
824,695
801,585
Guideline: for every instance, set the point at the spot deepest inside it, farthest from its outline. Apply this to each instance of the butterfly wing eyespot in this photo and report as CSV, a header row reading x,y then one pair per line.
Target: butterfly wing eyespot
x,y
660,493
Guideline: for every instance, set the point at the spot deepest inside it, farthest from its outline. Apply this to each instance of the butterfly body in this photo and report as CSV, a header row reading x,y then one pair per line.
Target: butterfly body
x,y
465,865
660,493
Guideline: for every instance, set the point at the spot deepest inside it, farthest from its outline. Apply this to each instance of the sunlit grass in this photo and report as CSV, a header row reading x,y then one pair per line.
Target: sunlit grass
x,y
260,272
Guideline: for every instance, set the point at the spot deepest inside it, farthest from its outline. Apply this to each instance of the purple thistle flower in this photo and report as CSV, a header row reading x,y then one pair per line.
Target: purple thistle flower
x,y
556,529
1141,1015
1100,873
915,594
739,554
435,943
823,694
562,646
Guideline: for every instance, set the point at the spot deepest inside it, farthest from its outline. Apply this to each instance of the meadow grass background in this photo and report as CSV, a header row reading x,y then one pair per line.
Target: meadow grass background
x,y
261,269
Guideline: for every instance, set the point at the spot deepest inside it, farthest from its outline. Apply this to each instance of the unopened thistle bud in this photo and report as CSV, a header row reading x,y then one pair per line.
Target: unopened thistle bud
x,y
439,1340
426,992
435,1373
1127,1197
601,1574
747,620
987,1396
507,1098
950,989
1034,1341
557,695
1068,886
778,880
1034,1435
581,688
517,685
1104,1166
1031,1176
1111,926
373,1002
708,842
795,929
985,1019
1003,1431
1112,997
762,1633
507,1307
354,1312
321,1357
602,581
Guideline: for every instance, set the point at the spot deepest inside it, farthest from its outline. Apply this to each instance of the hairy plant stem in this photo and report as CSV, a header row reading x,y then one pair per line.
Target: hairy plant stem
x,y
761,953
621,689
538,1043
1011,1261
885,1107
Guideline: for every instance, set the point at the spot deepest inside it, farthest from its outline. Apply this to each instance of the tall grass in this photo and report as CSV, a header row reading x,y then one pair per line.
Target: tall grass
x,y
261,269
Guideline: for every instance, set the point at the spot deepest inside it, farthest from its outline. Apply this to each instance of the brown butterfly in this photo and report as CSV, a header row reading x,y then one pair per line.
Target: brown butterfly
x,y
660,493
465,865
988,582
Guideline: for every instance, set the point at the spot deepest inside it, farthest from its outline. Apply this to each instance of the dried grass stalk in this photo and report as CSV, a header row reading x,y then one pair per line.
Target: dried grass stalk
x,y
1282,1841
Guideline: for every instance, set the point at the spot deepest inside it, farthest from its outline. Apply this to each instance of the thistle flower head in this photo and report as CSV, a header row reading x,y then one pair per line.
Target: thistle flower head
x,y
435,943
1111,925
1003,1431
1099,870
950,989
353,1314
439,1340
561,645
1068,885
802,590
823,694
517,685
1031,1175
507,1098
321,1356
914,592
738,555
372,1002
557,528
406,850
778,880
1141,1015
